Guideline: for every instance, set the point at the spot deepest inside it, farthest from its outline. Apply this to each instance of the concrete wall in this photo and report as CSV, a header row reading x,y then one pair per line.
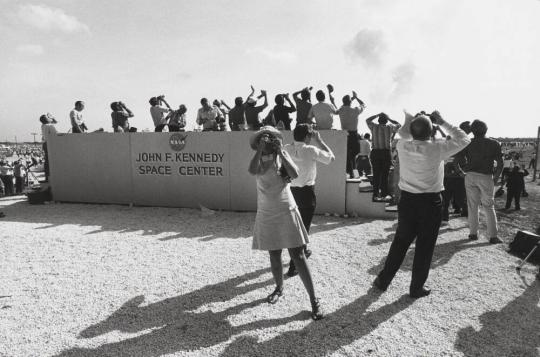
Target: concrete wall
x,y
175,169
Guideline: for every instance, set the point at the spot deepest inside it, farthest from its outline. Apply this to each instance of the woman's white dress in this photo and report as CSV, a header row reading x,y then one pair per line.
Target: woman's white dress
x,y
278,224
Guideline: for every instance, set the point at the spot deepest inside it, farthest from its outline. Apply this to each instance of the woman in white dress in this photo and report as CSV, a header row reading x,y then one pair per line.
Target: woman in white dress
x,y
278,224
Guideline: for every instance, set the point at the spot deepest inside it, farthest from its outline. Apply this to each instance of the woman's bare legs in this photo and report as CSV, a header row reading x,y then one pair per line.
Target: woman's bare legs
x,y
277,271
300,260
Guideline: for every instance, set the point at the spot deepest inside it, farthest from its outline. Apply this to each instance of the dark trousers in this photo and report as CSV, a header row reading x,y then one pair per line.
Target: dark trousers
x,y
19,184
160,128
363,165
381,160
419,216
306,201
454,190
8,184
352,150
514,193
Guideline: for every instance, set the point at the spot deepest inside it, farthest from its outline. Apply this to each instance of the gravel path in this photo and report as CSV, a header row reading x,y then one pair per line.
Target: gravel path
x,y
107,280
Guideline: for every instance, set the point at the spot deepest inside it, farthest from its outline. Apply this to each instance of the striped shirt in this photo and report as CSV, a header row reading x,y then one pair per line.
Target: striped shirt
x,y
382,134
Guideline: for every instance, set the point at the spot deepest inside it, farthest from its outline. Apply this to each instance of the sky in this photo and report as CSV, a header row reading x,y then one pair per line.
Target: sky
x,y
468,59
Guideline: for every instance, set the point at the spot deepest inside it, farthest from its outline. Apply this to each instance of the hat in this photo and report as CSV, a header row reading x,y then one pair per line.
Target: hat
x,y
251,100
254,139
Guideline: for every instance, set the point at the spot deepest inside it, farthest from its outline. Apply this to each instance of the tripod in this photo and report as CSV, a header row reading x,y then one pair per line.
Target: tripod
x,y
536,246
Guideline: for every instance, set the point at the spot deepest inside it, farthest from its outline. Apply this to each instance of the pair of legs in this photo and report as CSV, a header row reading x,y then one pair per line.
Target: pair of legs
x,y
363,165
480,189
419,216
453,191
381,160
513,194
352,150
300,260
306,201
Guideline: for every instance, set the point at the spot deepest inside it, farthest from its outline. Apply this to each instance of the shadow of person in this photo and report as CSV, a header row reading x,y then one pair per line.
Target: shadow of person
x,y
338,329
512,331
176,324
442,255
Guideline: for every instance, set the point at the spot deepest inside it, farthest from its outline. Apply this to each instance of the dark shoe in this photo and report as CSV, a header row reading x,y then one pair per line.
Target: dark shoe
x,y
379,285
518,209
415,294
316,312
307,253
292,270
274,297
473,237
464,214
495,240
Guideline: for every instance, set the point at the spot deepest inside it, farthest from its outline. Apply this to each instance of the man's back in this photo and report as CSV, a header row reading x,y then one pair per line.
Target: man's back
x,y
480,155
302,110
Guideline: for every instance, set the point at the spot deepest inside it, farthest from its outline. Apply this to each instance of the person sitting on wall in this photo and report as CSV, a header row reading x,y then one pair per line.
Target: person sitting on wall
x,y
322,112
252,112
281,111
302,98
348,116
221,121
208,116
120,115
158,111
177,119
76,117
237,118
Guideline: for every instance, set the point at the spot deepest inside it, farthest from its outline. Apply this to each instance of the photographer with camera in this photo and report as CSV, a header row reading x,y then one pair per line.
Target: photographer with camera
x,y
157,111
120,115
208,116
278,223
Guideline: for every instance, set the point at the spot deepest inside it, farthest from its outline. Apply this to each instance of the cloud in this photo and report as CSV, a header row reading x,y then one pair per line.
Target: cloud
x,y
50,19
403,77
30,50
284,57
367,46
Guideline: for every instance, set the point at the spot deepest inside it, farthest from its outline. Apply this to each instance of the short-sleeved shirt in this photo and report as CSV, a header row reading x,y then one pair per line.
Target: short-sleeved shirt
x,y
302,111
305,157
76,117
158,114
365,147
382,134
348,116
480,155
252,115
323,114
178,119
281,113
208,118
120,120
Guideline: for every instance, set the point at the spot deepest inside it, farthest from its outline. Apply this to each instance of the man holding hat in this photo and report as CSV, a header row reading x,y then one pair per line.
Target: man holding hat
x,y
252,112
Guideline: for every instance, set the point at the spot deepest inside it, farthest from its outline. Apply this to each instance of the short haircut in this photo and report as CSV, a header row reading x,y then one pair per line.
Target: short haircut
x,y
478,128
320,95
279,99
114,106
383,118
304,94
465,126
238,101
421,128
153,101
43,119
302,131
204,100
79,102
346,99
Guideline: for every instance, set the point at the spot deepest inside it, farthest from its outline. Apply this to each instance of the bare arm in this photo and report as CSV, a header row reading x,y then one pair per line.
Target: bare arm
x,y
255,164
287,162
322,145
129,112
225,105
290,102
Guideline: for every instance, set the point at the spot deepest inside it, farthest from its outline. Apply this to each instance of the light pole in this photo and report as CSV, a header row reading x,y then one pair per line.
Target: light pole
x,y
34,134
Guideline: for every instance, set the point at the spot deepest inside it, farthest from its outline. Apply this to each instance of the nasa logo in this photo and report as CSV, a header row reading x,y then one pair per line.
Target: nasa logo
x,y
177,141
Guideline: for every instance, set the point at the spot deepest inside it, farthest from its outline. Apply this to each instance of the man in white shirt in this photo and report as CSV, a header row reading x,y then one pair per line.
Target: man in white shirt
x,y
157,111
47,130
322,111
420,206
77,122
363,165
307,149
208,116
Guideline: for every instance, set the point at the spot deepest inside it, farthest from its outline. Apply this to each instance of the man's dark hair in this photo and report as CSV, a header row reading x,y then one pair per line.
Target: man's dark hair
x,y
79,102
114,106
238,101
43,119
465,126
153,101
421,128
320,95
302,131
383,118
304,94
279,99
367,136
204,101
478,128
346,100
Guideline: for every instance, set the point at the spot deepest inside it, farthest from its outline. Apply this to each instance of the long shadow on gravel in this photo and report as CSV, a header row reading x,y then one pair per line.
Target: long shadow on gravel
x,y
512,331
442,255
175,323
323,337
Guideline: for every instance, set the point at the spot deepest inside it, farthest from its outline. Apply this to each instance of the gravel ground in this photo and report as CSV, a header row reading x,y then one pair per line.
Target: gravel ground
x,y
108,280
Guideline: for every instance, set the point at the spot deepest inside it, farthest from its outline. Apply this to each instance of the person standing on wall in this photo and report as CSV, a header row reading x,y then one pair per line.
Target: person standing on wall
x,y
349,121
420,205
120,115
77,123
363,165
278,224
381,153
252,111
237,117
322,112
307,149
480,178
208,116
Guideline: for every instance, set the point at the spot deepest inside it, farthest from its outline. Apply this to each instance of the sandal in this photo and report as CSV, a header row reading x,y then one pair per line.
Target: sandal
x,y
316,312
274,297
